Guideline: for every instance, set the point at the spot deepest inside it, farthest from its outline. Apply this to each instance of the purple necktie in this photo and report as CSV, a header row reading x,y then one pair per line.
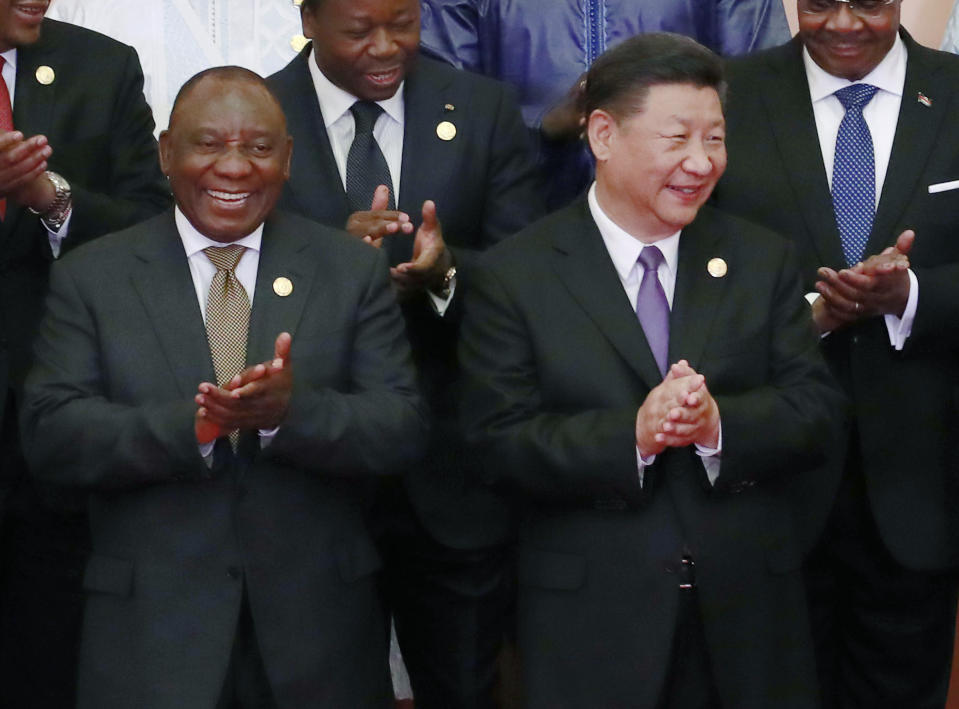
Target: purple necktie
x,y
652,308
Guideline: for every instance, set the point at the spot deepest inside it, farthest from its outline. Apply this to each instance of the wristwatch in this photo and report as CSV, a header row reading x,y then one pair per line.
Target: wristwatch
x,y
56,214
444,290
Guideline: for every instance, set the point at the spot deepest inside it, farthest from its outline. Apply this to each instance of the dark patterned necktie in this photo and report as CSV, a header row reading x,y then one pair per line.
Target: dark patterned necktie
x,y
366,168
227,317
652,308
854,173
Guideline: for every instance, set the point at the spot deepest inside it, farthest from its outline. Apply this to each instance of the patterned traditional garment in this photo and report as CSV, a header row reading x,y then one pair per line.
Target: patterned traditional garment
x,y
950,42
177,38
543,46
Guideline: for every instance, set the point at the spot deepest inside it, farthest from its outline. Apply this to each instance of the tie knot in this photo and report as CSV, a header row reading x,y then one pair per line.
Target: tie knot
x,y
856,96
225,258
650,258
365,114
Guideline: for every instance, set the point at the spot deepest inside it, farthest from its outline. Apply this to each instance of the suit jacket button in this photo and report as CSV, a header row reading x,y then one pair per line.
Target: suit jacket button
x,y
233,572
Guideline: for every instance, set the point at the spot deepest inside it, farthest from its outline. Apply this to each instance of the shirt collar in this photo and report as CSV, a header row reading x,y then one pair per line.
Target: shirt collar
x,y
194,241
624,248
335,102
889,75
10,56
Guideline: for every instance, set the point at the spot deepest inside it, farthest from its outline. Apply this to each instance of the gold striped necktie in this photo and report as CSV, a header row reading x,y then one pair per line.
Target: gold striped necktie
x,y
227,317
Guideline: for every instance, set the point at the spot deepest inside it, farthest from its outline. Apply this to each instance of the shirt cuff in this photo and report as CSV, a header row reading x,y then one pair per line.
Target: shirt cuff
x,y
901,328
712,457
206,452
267,436
440,304
641,464
812,298
56,237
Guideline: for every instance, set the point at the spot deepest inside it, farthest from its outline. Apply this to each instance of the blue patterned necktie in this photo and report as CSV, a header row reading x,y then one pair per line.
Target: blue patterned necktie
x,y
854,173
366,168
652,308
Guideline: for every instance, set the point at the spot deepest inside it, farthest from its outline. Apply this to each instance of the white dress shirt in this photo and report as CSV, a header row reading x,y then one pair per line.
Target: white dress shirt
x,y
202,270
881,115
624,250
10,79
388,130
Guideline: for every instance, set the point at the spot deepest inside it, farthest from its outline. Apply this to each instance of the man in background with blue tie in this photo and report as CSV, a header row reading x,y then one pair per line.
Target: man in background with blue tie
x,y
844,141
642,375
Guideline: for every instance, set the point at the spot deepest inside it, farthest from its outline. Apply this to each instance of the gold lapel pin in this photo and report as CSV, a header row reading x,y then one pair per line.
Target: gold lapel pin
x,y
45,75
446,131
282,286
717,267
924,100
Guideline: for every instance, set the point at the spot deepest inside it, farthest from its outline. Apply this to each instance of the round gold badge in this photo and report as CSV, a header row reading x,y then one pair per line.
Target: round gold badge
x,y
717,267
282,286
45,75
446,131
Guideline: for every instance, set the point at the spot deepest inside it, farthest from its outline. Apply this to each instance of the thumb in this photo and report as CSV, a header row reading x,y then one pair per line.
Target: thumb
x,y
281,349
381,199
430,220
905,241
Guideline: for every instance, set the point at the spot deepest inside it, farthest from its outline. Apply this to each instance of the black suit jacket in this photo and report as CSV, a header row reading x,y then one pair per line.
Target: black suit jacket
x,y
109,409
905,403
101,131
556,368
484,187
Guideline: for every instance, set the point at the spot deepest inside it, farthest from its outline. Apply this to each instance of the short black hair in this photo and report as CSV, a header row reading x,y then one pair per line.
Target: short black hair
x,y
310,5
620,79
236,74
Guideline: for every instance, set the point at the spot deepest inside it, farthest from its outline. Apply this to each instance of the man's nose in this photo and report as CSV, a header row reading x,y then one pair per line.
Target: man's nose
x,y
383,43
698,160
232,163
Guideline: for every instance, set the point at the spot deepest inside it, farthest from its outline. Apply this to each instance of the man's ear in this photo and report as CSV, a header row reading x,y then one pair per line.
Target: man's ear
x,y
601,130
289,156
308,20
164,149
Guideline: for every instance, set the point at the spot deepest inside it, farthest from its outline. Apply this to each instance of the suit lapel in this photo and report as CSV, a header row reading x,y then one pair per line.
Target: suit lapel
x,y
281,256
426,158
315,181
697,293
161,277
917,131
789,112
583,265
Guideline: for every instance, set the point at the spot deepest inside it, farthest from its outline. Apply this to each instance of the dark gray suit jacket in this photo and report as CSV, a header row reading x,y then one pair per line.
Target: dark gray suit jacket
x,y
906,403
484,187
110,409
556,368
